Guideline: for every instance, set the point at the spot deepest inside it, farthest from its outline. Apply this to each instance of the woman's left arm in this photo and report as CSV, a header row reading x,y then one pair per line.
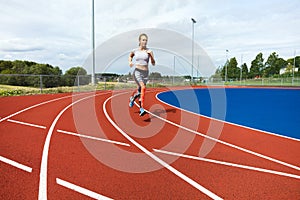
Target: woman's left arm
x,y
151,56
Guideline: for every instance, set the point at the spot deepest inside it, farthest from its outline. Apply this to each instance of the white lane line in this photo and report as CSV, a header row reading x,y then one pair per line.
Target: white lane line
x,y
34,106
16,164
151,155
81,190
229,164
93,138
44,162
226,143
27,124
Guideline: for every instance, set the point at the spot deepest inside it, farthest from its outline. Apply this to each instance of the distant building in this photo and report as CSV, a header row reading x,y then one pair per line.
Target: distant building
x,y
285,70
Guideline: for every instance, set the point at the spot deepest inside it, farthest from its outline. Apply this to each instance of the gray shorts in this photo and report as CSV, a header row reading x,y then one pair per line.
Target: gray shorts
x,y
140,76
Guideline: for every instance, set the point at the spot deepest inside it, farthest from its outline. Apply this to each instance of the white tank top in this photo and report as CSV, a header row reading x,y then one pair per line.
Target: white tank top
x,y
141,57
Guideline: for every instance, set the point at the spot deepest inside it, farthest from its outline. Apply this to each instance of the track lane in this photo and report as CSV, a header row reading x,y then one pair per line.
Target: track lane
x,y
77,164
22,102
242,157
157,159
252,140
23,143
85,169
278,147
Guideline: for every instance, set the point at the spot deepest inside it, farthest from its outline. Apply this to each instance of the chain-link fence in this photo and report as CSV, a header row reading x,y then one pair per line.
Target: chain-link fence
x,y
19,84
284,81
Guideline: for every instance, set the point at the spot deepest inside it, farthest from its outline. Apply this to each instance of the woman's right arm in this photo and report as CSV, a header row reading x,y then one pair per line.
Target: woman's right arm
x,y
130,59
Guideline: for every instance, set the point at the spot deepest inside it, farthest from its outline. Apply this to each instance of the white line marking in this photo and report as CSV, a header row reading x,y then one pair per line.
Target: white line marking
x,y
163,163
16,164
81,190
26,124
229,164
34,106
44,162
225,122
93,138
226,143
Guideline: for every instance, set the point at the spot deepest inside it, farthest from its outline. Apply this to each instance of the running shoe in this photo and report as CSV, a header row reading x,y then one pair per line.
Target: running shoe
x,y
142,111
131,102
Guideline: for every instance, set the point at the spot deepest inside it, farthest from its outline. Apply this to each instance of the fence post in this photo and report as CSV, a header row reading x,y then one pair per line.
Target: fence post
x,y
78,84
41,83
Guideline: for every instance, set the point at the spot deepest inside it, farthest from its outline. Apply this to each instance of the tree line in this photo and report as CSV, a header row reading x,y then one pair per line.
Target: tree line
x,y
258,69
27,73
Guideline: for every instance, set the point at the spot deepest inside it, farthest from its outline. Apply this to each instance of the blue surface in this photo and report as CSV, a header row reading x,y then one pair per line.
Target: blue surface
x,y
274,110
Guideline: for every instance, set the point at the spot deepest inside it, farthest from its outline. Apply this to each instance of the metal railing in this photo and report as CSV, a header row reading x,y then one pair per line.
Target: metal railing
x,y
63,83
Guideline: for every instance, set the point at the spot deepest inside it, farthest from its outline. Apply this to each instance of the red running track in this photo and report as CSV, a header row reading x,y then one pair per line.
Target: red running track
x,y
92,145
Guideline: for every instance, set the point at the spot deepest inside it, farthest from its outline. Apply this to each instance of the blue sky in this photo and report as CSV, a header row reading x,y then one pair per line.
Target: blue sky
x,y
59,32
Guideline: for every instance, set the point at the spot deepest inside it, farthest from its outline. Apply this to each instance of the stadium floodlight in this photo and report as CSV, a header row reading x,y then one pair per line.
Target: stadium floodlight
x,y
226,65
193,22
93,42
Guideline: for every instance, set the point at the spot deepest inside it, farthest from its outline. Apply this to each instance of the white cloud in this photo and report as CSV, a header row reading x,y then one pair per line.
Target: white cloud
x,y
59,32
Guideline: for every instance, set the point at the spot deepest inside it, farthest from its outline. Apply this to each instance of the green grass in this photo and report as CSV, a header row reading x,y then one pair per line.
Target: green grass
x,y
7,90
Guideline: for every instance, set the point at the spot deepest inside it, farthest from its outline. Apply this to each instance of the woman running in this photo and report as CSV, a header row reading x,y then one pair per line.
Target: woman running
x,y
141,71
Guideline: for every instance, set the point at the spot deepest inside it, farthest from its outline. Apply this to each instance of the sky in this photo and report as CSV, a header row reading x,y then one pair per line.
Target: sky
x,y
59,32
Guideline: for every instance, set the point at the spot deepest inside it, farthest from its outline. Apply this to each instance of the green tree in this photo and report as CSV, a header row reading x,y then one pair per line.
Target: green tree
x,y
71,76
5,65
244,71
154,75
233,72
273,65
19,67
297,64
5,68
257,66
289,68
218,73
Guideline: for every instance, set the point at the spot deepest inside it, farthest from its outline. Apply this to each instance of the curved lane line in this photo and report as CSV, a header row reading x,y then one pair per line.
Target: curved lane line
x,y
151,155
44,163
226,143
34,106
228,164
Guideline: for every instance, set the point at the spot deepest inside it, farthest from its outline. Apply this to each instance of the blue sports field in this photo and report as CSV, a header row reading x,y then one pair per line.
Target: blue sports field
x,y
275,110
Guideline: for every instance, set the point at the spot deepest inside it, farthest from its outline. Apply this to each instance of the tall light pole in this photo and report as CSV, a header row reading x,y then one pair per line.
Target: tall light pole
x,y
193,22
226,66
93,42
173,71
198,67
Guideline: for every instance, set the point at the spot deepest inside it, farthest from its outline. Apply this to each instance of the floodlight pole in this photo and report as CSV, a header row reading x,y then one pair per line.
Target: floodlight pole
x,y
193,22
226,66
198,68
93,42
173,71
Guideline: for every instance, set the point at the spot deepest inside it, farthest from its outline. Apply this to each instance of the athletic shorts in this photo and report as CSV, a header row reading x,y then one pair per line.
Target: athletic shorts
x,y
140,76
